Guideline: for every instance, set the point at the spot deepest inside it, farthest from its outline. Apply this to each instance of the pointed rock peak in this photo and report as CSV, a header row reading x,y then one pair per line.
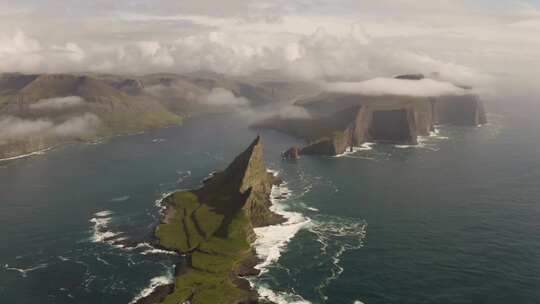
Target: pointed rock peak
x,y
248,168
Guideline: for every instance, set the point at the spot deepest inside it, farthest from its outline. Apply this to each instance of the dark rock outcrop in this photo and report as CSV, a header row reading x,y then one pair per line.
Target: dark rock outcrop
x,y
291,154
411,77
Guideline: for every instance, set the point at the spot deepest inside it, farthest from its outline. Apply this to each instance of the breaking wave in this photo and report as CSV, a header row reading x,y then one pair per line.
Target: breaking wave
x,y
364,147
120,199
24,272
280,297
271,240
165,279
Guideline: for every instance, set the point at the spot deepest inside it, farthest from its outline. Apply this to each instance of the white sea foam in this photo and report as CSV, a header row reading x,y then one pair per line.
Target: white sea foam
x,y
154,283
336,236
24,272
120,199
149,249
364,147
101,231
272,240
358,302
102,260
182,175
104,213
40,152
280,297
159,202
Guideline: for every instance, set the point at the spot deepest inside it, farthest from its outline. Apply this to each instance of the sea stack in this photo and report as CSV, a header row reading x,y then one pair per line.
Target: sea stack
x,y
291,154
213,227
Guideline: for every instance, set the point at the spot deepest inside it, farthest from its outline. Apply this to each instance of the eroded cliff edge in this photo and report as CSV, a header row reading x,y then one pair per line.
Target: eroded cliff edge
x,y
213,227
342,121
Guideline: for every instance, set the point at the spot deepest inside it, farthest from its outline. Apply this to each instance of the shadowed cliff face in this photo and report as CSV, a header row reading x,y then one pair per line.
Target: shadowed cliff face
x,y
391,126
465,110
386,119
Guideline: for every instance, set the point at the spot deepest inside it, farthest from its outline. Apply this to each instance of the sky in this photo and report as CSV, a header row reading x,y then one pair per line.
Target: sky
x,y
483,43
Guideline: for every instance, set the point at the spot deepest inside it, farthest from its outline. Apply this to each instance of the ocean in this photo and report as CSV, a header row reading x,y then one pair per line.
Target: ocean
x,y
454,220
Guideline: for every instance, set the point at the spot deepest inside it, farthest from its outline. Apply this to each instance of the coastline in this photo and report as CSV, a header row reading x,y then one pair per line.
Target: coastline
x,y
29,154
92,141
266,248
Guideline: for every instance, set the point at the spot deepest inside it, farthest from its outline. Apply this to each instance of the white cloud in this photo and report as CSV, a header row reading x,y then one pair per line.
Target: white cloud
x,y
220,97
85,124
391,86
466,42
12,127
16,128
58,103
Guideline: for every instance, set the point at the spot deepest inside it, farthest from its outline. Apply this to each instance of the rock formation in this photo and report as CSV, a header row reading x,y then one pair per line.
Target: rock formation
x,y
356,119
213,226
411,77
291,154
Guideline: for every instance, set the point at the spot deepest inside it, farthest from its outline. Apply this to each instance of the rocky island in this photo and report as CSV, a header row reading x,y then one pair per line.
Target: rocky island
x,y
341,121
213,227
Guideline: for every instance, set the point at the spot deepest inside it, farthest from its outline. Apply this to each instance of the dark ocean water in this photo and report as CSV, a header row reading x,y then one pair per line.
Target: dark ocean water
x,y
453,221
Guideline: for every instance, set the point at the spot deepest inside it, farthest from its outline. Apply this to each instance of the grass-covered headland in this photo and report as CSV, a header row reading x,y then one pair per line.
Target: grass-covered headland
x,y
213,227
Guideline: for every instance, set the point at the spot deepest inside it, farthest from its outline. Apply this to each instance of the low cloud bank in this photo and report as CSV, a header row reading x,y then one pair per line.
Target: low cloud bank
x,y
391,86
223,98
15,128
58,103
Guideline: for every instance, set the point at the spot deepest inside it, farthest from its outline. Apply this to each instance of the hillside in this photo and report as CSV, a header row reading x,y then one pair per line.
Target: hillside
x,y
38,111
46,110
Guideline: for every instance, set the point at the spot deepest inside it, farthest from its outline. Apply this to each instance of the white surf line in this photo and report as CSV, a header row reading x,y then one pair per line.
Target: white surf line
x,y
165,279
40,152
271,241
368,146
120,199
280,297
24,272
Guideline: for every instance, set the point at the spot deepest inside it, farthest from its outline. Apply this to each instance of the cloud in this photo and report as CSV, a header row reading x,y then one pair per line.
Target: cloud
x,y
58,103
220,97
83,125
466,42
15,128
391,86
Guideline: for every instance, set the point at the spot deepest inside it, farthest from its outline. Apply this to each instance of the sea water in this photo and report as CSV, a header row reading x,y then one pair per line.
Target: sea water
x,y
454,220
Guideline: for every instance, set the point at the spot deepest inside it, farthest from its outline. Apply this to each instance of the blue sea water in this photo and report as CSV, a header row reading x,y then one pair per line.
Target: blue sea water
x,y
455,220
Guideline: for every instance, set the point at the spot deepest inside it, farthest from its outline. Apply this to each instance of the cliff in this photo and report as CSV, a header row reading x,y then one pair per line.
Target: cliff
x,y
340,121
214,225
399,122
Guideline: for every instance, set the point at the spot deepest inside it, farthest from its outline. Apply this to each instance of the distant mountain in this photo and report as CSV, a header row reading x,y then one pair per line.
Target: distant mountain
x,y
37,111
44,110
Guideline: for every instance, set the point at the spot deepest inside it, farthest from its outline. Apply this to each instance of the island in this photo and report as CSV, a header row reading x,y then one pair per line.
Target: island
x,y
213,227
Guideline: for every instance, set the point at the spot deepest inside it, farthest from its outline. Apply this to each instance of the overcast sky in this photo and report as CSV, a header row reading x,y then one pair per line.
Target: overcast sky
x,y
472,42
